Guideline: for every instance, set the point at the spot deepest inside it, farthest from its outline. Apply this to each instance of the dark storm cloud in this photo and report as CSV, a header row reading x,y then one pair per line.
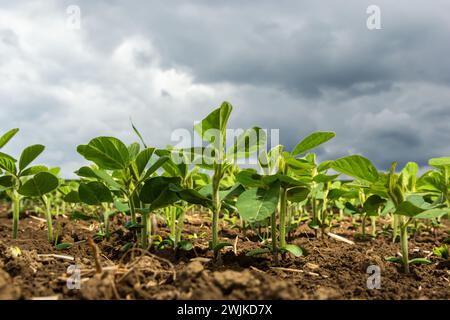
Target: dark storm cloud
x,y
298,66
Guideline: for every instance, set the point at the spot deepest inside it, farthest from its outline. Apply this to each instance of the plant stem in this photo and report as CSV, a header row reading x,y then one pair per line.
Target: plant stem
x,y
16,214
395,228
144,233
283,207
132,208
216,205
274,236
180,227
404,244
373,221
48,216
363,226
173,227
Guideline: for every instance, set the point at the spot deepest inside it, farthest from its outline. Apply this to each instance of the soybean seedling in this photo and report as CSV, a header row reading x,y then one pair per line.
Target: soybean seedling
x,y
21,180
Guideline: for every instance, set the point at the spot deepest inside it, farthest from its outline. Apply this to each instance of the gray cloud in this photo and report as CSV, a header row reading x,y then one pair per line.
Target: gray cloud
x,y
298,66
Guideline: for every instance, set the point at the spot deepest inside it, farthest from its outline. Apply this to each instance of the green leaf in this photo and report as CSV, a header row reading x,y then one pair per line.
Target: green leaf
x,y
156,191
7,136
250,178
323,178
158,164
249,142
257,204
121,206
94,193
433,213
297,194
221,245
439,162
295,250
6,181
372,204
357,167
185,245
107,179
41,184
138,134
143,158
107,152
313,140
33,170
7,163
72,197
257,251
394,259
29,154
194,197
419,261
63,246
133,150
215,124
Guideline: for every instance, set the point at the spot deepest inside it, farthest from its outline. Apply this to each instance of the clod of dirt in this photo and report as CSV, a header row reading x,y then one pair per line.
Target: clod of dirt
x,y
324,293
7,289
99,287
194,268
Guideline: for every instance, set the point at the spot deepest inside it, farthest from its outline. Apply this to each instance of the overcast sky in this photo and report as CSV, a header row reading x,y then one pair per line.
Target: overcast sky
x,y
299,66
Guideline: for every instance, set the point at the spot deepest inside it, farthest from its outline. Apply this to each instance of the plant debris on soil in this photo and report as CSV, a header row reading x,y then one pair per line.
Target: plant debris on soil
x,y
31,268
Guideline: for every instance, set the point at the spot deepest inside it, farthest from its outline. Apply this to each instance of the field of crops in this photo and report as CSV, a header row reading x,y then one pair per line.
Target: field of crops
x,y
192,223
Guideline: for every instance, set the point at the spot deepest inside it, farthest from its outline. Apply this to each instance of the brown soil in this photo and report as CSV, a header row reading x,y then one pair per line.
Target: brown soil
x,y
331,270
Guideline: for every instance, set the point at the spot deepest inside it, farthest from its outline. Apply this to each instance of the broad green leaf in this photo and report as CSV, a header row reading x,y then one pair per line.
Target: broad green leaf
x,y
257,204
156,191
297,194
143,158
106,178
41,184
6,181
357,167
215,124
325,178
249,142
250,178
133,150
72,197
158,164
7,136
7,163
412,206
33,170
94,193
372,204
107,152
313,140
439,162
86,172
432,213
29,154
194,197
